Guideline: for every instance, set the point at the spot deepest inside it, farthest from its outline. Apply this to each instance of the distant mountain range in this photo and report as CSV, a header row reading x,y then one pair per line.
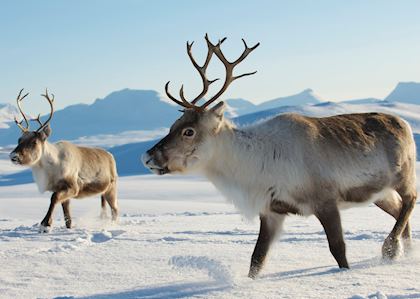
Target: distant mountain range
x,y
131,110
120,111
128,155
405,92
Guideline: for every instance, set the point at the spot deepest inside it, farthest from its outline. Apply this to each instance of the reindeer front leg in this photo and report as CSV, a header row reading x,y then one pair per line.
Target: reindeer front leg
x,y
329,216
269,228
63,196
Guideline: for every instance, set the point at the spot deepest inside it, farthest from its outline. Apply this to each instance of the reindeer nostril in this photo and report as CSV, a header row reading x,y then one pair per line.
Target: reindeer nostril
x,y
14,157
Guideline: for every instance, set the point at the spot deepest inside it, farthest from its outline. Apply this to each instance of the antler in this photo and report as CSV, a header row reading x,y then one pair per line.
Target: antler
x,y
38,119
229,66
51,102
19,123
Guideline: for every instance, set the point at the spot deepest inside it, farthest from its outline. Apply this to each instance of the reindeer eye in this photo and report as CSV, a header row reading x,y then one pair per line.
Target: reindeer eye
x,y
188,132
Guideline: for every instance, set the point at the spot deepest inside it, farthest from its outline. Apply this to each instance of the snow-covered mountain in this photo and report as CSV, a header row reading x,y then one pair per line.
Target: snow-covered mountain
x,y
305,97
362,101
405,92
409,112
125,118
120,111
128,155
242,106
238,107
7,114
133,110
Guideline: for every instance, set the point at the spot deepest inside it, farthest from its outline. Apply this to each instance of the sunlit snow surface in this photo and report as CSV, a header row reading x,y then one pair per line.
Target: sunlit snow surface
x,y
177,238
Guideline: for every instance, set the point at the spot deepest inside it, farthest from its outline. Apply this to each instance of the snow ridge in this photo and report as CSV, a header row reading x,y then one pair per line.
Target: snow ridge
x,y
215,269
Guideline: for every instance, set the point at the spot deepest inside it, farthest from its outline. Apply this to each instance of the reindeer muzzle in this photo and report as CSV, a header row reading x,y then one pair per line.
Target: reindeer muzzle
x,y
14,157
150,162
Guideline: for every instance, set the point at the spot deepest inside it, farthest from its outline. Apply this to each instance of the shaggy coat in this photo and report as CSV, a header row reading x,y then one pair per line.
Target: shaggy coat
x,y
294,164
67,170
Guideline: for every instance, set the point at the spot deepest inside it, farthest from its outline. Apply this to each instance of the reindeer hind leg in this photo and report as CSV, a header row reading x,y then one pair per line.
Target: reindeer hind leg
x,y
392,205
392,246
111,198
66,212
103,207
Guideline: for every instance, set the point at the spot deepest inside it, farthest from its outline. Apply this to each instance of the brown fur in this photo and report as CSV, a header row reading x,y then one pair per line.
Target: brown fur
x,y
294,164
69,171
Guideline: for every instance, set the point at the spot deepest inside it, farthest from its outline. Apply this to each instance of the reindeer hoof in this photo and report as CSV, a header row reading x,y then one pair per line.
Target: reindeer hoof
x,y
392,248
44,229
253,272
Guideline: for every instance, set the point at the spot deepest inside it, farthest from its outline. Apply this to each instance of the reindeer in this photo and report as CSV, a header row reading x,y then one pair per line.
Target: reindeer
x,y
293,164
67,170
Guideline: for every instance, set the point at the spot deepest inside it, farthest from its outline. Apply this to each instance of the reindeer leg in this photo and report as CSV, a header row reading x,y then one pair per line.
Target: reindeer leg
x,y
269,228
111,197
329,216
66,211
392,206
47,221
392,245
68,191
103,207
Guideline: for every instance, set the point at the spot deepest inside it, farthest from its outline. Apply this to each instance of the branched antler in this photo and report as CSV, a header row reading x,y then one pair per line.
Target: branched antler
x,y
51,102
38,118
229,66
19,123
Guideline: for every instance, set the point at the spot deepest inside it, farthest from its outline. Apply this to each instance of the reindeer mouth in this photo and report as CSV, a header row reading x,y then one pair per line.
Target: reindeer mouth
x,y
16,161
159,170
149,162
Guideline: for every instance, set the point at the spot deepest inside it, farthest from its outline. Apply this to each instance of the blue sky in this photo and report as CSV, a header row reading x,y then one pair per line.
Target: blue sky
x,y
83,50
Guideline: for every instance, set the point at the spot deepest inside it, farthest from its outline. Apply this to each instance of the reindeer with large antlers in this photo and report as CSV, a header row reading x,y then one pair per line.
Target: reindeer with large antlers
x,y
67,170
293,164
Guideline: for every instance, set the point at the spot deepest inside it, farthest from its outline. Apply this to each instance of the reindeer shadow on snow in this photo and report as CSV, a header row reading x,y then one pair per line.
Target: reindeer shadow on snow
x,y
166,291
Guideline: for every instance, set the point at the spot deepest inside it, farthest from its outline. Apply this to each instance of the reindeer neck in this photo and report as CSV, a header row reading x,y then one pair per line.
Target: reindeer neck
x,y
240,169
49,156
236,151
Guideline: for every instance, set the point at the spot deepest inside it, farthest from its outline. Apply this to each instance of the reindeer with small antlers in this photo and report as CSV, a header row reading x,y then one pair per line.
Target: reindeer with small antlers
x,y
293,164
67,170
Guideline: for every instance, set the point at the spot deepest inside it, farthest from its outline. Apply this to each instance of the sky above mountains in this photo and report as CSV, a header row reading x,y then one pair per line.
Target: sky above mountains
x,y
84,50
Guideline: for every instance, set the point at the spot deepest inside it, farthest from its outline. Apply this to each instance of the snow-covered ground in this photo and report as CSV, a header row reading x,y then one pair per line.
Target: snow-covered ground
x,y
177,238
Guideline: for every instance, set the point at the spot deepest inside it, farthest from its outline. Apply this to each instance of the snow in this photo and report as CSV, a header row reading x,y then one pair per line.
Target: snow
x,y
177,238
112,140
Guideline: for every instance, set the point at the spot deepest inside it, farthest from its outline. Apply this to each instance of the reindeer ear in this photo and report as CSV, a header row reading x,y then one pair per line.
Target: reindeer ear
x,y
46,132
219,109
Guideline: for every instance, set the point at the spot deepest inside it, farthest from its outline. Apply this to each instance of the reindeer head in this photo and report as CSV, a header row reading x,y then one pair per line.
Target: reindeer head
x,y
187,147
31,144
